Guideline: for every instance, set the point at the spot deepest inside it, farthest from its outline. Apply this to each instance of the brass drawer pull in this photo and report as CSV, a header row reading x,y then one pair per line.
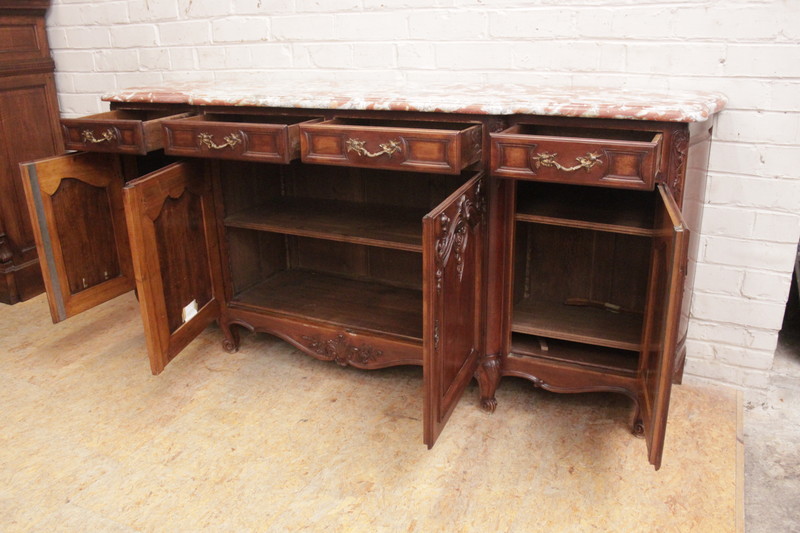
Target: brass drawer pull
x,y
585,162
88,137
388,148
230,141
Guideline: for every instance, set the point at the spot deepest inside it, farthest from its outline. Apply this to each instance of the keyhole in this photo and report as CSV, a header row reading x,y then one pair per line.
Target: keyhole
x,y
105,274
84,283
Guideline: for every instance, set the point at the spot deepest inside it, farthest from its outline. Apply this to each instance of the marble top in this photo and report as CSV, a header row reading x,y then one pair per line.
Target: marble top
x,y
505,99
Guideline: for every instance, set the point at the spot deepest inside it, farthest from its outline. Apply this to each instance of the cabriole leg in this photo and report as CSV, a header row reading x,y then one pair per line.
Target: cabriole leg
x,y
488,376
231,341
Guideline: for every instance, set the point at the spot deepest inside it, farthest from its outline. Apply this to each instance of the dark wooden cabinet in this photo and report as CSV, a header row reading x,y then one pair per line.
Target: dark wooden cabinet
x,y
552,249
29,129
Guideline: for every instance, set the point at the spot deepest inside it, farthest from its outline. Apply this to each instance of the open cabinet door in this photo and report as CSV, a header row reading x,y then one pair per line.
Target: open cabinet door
x,y
667,272
175,248
79,226
452,240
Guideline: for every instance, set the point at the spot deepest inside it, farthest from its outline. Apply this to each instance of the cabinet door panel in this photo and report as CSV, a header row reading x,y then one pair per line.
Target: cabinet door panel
x,y
453,240
175,247
667,271
80,231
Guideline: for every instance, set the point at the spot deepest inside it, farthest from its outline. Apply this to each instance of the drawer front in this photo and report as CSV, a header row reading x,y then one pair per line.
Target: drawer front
x,y
426,148
119,131
630,164
208,136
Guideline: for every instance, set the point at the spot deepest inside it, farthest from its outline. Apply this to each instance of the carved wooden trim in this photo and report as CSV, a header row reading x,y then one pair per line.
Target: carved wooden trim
x,y
453,235
679,150
340,351
5,250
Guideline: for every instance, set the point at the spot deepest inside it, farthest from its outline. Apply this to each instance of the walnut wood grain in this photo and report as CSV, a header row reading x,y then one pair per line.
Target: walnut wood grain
x,y
620,158
453,319
243,137
117,131
662,318
579,324
573,353
374,225
80,228
439,147
175,249
338,300
610,210
29,130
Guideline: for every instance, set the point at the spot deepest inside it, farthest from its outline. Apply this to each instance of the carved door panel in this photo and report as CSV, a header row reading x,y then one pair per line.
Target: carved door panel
x,y
453,241
175,248
667,272
79,226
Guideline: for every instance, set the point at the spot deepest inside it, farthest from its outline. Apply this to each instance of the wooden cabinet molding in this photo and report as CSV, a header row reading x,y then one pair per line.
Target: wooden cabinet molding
x,y
29,129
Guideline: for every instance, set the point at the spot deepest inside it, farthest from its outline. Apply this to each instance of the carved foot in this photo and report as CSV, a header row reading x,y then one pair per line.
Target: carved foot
x,y
488,376
489,404
231,341
637,426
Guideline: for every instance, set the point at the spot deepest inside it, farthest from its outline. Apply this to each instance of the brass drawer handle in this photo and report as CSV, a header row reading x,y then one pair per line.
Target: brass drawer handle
x,y
107,136
388,148
586,162
230,141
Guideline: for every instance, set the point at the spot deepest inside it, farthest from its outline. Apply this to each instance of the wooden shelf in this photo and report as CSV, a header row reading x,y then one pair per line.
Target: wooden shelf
x,y
579,324
572,353
374,225
610,210
337,300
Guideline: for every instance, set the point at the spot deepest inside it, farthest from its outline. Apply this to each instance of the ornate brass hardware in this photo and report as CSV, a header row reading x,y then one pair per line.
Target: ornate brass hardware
x,y
230,141
107,136
585,162
388,148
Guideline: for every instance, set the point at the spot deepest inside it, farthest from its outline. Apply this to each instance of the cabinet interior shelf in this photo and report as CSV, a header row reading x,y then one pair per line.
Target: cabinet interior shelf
x,y
357,304
616,211
393,227
596,357
579,324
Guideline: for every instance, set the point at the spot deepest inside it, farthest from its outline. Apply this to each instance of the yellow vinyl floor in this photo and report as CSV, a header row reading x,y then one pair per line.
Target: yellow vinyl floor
x,y
269,439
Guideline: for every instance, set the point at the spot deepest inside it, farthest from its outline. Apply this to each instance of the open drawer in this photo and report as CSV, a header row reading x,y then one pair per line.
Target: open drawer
x,y
441,147
124,131
244,137
579,156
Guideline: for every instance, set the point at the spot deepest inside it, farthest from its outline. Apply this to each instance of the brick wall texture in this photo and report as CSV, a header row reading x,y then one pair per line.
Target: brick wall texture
x,y
747,49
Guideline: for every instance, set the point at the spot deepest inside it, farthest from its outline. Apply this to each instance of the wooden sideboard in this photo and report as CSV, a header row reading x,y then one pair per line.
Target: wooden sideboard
x,y
475,240
29,129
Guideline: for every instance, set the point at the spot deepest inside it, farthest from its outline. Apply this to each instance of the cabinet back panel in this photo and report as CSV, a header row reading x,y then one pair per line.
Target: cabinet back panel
x,y
391,267
554,263
254,256
246,185
380,187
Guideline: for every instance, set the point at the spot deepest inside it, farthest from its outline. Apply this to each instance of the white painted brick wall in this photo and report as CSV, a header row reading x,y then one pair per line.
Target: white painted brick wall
x,y
748,49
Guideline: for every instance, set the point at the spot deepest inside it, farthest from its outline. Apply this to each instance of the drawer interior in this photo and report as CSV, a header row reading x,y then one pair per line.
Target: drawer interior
x,y
583,132
234,118
406,124
143,115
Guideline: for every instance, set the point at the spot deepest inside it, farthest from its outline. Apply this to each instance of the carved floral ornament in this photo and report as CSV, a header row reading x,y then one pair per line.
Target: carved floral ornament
x,y
453,235
679,149
339,350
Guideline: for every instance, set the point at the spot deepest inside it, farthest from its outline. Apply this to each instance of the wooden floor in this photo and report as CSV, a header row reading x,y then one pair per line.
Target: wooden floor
x,y
271,440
